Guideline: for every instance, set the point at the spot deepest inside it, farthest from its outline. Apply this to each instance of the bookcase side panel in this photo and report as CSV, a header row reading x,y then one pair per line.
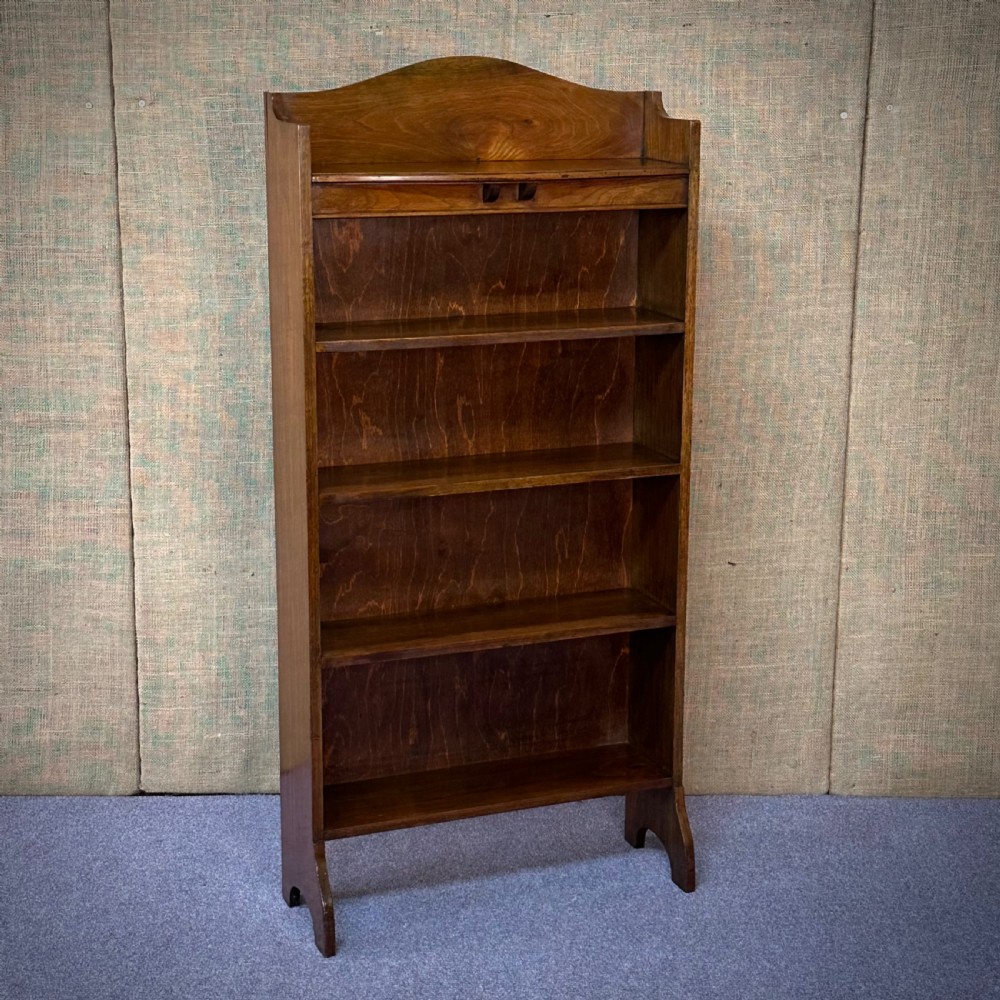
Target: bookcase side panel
x,y
293,423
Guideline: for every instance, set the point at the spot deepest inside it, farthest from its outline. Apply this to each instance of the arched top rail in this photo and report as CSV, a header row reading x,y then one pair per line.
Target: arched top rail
x,y
465,108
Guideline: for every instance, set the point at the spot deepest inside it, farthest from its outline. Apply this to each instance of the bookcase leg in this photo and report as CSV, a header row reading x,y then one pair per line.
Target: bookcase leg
x,y
313,889
662,810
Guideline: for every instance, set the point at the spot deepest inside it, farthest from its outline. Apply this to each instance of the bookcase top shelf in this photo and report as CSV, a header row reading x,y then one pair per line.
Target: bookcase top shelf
x,y
444,171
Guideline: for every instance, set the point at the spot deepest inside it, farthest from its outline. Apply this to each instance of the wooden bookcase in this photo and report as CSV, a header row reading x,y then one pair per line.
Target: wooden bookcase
x,y
482,310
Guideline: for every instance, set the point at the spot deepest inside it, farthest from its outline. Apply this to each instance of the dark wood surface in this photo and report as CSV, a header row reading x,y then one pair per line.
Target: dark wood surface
x,y
487,473
466,108
304,874
390,557
473,265
404,406
401,716
663,811
476,329
393,637
483,306
667,279
499,170
653,547
398,198
355,808
651,693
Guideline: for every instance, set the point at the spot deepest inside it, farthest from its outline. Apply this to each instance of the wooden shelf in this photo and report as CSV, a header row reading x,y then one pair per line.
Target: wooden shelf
x,y
458,331
379,804
399,637
498,170
483,473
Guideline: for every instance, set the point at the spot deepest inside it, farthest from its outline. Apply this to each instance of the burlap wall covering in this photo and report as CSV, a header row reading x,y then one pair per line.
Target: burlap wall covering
x,y
781,89
67,644
918,672
782,166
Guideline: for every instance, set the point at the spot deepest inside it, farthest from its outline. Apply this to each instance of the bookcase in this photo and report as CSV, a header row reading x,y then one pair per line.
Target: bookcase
x,y
482,314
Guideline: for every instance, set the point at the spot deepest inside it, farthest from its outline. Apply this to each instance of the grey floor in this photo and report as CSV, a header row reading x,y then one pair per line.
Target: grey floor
x,y
799,897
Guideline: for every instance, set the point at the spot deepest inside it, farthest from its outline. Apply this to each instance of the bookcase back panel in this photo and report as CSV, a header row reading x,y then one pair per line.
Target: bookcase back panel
x,y
388,557
415,715
407,268
395,406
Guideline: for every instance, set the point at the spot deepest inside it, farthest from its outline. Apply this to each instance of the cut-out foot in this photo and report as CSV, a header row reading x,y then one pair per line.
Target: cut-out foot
x,y
313,889
662,810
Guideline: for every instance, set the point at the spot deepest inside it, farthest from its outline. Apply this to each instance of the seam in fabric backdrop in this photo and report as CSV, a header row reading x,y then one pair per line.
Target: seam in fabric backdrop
x,y
850,394
128,411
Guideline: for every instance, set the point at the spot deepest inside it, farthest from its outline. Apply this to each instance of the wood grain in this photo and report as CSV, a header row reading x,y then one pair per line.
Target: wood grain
x,y
468,331
659,393
304,875
663,811
667,279
467,265
416,197
402,406
499,170
651,694
409,715
667,274
391,557
465,108
662,253
355,808
494,404
485,473
371,640
654,545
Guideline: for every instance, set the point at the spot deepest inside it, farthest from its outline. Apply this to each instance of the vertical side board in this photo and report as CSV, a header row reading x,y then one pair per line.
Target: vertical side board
x,y
293,378
668,257
667,261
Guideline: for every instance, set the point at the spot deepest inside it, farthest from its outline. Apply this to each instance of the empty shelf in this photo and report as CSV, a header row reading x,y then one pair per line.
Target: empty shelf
x,y
515,623
360,807
458,331
482,473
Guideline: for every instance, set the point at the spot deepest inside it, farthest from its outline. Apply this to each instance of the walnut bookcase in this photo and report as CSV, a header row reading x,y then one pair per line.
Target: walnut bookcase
x,y
482,309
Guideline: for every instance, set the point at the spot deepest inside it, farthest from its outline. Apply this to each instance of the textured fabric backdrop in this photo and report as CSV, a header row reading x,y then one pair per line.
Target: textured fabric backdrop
x,y
918,667
778,237
781,90
67,643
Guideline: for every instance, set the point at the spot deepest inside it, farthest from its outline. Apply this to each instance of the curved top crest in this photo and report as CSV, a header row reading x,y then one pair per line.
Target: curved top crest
x,y
465,108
